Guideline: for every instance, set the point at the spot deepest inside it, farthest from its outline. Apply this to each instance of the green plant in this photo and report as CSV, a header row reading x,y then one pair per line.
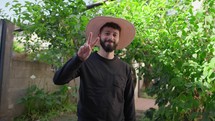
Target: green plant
x,y
54,29
17,47
41,105
175,42
3,15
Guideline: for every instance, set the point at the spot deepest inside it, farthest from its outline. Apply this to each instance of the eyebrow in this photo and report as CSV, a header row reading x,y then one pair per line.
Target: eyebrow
x,y
113,32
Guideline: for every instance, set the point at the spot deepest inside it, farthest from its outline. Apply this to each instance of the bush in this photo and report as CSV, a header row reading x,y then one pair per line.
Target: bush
x,y
41,105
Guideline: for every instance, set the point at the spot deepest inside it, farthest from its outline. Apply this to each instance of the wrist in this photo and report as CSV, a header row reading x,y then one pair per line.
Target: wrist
x,y
79,57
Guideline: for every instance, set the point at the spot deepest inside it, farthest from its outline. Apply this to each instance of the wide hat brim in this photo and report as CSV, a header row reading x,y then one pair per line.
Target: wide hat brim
x,y
127,33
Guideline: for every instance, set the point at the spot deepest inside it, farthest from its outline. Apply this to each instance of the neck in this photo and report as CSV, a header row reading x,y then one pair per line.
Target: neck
x,y
107,55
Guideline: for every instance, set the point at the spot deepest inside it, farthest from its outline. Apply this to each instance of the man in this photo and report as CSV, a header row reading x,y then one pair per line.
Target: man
x,y
106,85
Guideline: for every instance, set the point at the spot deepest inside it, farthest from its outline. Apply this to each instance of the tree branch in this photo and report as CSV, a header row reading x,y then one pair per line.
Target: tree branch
x,y
97,4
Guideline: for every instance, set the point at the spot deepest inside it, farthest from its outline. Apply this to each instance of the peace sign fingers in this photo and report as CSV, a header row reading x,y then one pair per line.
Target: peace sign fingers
x,y
91,42
85,50
89,39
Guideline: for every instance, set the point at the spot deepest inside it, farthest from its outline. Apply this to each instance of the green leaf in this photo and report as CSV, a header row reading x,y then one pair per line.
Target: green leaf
x,y
209,18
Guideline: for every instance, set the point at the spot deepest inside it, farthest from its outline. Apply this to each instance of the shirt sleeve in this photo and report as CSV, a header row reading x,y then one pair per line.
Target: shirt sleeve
x,y
129,106
69,71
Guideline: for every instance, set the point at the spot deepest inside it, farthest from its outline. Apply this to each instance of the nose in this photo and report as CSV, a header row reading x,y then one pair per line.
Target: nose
x,y
111,37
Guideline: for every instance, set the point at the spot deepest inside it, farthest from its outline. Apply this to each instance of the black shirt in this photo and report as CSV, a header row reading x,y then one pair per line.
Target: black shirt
x,y
106,88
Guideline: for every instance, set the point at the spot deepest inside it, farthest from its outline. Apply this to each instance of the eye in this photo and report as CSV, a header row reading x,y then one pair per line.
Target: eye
x,y
107,33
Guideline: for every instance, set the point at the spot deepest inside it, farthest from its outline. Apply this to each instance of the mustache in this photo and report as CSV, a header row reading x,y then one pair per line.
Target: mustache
x,y
109,40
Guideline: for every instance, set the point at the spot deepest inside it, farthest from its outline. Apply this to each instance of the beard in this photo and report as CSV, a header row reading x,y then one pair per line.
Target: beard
x,y
108,47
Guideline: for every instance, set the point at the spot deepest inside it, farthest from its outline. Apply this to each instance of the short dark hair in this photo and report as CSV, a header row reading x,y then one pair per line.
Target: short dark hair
x,y
112,25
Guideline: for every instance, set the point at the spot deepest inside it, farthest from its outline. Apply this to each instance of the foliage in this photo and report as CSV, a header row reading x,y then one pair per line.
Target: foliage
x,y
54,29
177,46
3,15
41,105
17,47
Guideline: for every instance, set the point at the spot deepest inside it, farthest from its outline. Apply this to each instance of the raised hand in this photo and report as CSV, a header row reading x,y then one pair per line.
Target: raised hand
x,y
86,49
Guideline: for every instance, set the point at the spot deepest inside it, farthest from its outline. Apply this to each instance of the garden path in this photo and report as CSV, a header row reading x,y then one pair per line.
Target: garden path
x,y
142,104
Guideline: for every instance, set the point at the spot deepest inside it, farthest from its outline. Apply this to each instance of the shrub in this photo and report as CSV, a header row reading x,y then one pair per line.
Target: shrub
x,y
41,105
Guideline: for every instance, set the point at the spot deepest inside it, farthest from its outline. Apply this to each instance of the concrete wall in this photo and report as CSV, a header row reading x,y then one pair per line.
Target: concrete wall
x,y
24,74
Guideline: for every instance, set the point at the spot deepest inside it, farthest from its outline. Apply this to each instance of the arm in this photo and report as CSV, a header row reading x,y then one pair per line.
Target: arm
x,y
129,107
68,72
71,69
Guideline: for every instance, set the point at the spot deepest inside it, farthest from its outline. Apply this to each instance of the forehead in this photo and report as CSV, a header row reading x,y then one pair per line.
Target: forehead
x,y
110,29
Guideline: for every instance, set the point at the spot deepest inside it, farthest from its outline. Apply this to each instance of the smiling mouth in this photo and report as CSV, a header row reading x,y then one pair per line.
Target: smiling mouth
x,y
109,41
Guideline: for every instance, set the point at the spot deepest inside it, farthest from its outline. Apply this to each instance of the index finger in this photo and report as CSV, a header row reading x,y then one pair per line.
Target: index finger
x,y
94,42
89,38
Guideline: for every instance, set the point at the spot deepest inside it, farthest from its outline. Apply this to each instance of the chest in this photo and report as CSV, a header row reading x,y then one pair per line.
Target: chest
x,y
104,75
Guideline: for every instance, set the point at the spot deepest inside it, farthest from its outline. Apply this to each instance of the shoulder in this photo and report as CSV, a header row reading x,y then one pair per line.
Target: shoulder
x,y
127,67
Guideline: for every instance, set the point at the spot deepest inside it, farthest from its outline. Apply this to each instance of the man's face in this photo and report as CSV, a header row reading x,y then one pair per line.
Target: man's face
x,y
109,38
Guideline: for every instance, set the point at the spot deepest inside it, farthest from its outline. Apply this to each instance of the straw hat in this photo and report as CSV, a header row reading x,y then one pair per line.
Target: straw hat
x,y
127,29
